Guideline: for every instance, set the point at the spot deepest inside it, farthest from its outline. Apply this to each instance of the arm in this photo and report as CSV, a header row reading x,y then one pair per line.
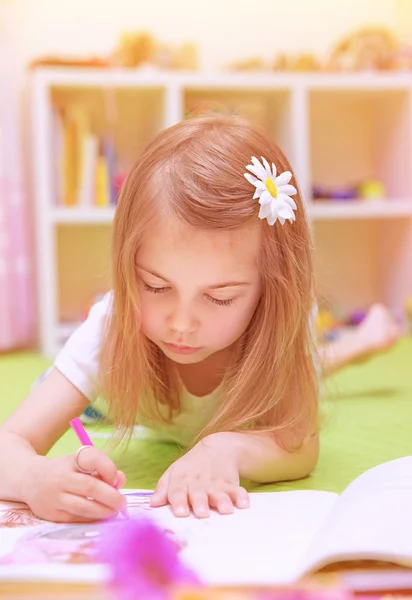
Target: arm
x,y
30,432
53,488
208,476
259,458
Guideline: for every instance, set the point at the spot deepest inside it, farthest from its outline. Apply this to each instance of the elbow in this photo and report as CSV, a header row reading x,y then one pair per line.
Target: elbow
x,y
307,458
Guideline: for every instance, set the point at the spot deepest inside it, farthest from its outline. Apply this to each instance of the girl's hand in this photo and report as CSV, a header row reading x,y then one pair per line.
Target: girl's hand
x,y
206,477
56,491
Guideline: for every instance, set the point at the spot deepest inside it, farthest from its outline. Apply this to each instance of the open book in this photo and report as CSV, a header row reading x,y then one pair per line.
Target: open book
x,y
282,537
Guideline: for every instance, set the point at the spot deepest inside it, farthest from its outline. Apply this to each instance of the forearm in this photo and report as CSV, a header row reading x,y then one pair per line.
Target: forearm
x,y
260,459
17,459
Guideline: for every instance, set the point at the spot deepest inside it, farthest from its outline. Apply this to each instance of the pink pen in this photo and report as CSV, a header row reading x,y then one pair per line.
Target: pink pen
x,y
80,431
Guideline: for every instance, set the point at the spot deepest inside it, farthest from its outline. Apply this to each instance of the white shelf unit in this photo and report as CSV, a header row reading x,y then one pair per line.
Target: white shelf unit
x,y
335,129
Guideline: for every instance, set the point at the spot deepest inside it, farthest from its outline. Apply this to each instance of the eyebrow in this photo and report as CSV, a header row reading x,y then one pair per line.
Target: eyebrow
x,y
217,286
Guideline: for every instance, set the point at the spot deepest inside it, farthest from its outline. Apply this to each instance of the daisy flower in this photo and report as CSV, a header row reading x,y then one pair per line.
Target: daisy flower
x,y
144,560
274,192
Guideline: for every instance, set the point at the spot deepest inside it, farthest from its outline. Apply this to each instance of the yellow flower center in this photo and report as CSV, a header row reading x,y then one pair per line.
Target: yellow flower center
x,y
271,187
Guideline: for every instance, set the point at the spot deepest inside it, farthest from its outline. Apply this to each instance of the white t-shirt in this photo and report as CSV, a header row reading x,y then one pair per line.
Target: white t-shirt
x,y
78,361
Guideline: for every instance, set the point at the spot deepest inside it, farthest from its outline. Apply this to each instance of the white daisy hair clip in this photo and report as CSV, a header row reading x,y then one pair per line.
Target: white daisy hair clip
x,y
274,192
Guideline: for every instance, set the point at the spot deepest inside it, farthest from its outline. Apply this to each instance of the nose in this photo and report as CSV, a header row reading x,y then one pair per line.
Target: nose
x,y
182,321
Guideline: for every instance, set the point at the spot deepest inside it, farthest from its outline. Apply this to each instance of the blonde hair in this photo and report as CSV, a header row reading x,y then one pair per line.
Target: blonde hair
x,y
195,169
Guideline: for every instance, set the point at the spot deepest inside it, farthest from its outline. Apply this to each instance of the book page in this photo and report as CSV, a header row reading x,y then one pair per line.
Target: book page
x,y
371,520
263,544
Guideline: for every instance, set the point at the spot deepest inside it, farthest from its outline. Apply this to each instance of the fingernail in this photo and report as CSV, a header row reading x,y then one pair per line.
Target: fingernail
x,y
181,511
245,502
202,510
124,512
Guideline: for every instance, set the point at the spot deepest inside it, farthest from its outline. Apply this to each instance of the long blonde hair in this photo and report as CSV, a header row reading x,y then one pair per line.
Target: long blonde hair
x,y
195,169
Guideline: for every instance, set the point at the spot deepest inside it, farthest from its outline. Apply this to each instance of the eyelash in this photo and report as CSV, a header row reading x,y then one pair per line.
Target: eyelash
x,y
162,290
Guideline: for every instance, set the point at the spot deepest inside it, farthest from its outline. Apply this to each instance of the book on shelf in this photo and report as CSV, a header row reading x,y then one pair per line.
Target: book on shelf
x,y
85,166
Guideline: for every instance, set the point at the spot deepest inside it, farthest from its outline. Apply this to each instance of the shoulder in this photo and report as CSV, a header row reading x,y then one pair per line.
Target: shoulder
x,y
79,358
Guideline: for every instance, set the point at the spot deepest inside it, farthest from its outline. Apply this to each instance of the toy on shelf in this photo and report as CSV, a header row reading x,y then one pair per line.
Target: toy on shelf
x,y
134,50
331,324
325,324
368,49
141,49
320,192
371,189
303,63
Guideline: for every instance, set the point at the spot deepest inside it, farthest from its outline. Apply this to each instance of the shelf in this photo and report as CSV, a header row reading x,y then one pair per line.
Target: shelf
x,y
318,210
156,78
367,209
337,129
82,216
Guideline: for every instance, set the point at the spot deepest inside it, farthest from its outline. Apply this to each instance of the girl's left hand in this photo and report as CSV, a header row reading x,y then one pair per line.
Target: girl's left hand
x,y
206,477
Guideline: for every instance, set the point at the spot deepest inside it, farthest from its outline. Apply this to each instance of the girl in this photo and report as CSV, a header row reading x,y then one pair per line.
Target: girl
x,y
205,339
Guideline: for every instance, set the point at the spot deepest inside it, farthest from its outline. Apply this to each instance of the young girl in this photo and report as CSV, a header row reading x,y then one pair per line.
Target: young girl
x,y
206,338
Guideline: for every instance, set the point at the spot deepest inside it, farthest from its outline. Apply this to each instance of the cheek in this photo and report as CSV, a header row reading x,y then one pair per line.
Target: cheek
x,y
228,324
152,318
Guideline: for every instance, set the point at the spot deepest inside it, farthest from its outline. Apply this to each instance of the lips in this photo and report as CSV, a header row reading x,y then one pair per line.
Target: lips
x,y
180,349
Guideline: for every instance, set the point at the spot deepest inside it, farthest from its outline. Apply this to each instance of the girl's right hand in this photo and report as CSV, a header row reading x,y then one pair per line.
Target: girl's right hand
x,y
56,491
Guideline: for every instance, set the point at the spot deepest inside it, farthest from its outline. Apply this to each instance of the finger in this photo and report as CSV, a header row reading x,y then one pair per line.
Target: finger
x,y
121,480
222,502
239,496
91,487
92,459
160,497
85,508
199,502
178,500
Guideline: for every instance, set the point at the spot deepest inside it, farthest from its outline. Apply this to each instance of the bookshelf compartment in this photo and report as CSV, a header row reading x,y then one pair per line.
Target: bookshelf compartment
x,y
359,135
82,269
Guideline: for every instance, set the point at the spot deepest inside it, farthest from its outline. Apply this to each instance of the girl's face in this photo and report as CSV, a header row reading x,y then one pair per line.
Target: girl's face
x,y
199,289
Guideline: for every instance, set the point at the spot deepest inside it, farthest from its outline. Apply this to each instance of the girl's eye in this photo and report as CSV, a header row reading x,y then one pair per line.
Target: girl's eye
x,y
155,290
221,302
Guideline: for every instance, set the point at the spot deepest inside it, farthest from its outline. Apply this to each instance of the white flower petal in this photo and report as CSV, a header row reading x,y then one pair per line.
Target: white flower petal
x,y
272,220
257,193
264,211
255,171
274,170
251,179
265,198
263,175
283,178
281,220
290,190
288,200
266,165
285,212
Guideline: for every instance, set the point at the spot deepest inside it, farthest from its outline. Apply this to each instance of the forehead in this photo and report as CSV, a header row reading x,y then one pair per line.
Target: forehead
x,y
173,248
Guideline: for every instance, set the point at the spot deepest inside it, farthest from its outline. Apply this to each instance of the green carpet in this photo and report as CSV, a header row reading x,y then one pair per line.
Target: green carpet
x,y
366,420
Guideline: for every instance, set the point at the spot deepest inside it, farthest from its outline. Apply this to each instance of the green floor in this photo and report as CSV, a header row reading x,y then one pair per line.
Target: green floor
x,y
366,420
